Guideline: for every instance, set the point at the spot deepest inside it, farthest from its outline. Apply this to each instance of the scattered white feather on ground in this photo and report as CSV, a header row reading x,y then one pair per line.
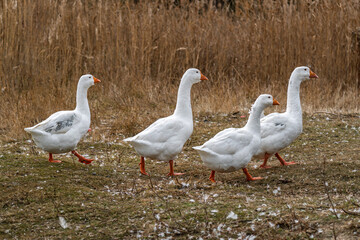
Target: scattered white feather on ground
x,y
63,223
232,215
277,191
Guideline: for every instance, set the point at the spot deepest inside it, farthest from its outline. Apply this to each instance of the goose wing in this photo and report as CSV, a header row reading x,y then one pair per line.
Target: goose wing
x,y
162,130
273,124
58,123
229,141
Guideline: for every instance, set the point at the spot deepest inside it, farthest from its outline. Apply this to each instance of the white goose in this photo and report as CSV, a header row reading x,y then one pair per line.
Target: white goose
x,y
164,139
233,148
279,130
62,131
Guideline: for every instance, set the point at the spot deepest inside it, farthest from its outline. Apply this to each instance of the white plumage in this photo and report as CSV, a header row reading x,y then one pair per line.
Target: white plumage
x,y
164,139
233,148
279,130
62,131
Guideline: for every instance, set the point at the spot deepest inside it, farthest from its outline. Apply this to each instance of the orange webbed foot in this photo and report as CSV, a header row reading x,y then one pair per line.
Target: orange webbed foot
x,y
253,178
266,157
282,161
144,173
249,177
142,166
175,174
288,163
142,170
81,158
264,166
212,176
55,161
172,173
52,160
85,160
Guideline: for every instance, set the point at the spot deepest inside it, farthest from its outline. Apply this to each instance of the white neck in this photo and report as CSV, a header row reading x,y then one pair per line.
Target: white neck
x,y
183,104
253,122
82,104
293,97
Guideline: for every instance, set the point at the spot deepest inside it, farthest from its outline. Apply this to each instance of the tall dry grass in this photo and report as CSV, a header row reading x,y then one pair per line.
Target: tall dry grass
x,y
140,52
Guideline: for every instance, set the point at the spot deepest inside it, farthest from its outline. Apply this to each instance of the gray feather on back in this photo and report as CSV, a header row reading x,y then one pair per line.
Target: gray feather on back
x,y
59,122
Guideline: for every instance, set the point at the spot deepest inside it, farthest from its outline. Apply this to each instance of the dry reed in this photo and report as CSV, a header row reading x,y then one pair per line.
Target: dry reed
x,y
140,52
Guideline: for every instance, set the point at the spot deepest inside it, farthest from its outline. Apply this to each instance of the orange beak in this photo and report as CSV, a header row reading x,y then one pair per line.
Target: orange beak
x,y
203,77
313,75
275,102
96,80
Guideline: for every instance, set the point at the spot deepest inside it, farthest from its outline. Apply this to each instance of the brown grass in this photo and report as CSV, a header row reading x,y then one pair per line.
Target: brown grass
x,y
140,52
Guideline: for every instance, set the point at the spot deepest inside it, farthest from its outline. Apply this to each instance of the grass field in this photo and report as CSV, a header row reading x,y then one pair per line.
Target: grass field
x,y
317,198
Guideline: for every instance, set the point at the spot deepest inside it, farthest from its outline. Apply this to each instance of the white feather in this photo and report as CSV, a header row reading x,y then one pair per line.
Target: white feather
x,y
63,223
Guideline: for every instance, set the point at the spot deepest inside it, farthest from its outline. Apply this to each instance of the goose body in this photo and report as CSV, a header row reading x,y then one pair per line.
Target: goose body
x,y
164,139
233,148
229,150
279,130
62,131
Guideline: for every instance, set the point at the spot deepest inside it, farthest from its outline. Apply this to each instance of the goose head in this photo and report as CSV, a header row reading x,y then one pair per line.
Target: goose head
x,y
262,102
266,100
193,75
303,73
87,81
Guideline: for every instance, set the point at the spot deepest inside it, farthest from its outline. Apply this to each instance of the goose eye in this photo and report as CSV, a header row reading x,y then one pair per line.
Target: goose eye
x,y
197,71
305,69
89,77
269,97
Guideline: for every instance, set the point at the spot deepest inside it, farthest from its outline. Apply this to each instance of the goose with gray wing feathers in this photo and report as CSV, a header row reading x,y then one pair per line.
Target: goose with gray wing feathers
x,y
61,132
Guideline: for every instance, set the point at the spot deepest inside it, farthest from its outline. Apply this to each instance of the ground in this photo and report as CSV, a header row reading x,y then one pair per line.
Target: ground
x,y
318,198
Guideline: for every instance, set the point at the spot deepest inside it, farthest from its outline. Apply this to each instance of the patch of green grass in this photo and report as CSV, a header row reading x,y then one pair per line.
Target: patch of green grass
x,y
110,199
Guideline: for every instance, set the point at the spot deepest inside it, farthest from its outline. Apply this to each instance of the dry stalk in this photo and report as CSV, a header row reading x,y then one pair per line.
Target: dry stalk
x,y
140,52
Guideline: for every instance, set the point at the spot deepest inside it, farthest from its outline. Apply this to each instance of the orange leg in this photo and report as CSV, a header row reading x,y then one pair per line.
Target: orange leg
x,y
81,158
282,161
171,173
267,156
249,177
89,130
52,160
142,166
212,176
